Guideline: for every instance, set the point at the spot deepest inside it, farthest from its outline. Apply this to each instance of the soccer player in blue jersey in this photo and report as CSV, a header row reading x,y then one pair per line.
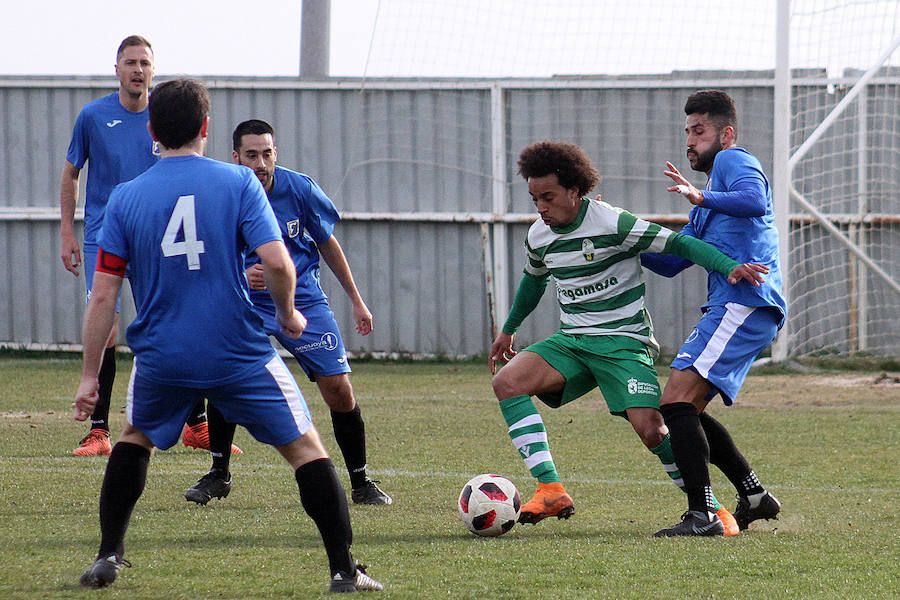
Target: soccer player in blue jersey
x,y
307,218
183,229
734,213
111,134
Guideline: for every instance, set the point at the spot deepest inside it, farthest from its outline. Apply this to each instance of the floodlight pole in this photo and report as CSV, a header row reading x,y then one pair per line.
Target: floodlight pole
x,y
315,39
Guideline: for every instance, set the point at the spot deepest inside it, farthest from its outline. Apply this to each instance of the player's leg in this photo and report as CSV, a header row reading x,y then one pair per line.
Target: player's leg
x,y
197,433
269,404
96,442
155,416
527,374
217,482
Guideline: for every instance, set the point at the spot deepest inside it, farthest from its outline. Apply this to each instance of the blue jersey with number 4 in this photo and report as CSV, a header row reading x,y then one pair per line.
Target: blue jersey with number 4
x,y
116,143
185,227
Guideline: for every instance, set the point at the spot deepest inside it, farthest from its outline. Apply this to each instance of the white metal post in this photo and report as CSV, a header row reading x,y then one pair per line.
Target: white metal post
x,y
781,170
498,195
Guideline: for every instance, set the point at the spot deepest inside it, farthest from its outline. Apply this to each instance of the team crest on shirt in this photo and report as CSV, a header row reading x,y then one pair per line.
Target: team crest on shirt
x,y
293,228
154,149
587,249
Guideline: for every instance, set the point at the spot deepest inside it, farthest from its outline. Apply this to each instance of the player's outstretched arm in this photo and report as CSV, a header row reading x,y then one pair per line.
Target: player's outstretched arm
x,y
68,198
334,257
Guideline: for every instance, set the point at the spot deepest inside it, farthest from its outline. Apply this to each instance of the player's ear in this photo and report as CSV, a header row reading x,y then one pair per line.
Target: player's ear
x,y
204,128
726,136
235,158
152,134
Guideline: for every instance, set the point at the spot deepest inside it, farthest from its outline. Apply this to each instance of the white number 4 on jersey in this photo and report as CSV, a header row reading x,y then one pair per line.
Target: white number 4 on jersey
x,y
183,218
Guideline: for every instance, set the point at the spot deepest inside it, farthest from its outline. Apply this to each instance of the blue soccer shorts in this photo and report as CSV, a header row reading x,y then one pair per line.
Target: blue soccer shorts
x,y
89,256
320,349
724,344
267,402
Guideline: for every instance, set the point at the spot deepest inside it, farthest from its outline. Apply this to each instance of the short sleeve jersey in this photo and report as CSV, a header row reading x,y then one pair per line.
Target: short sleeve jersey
x,y
306,216
116,144
745,239
185,227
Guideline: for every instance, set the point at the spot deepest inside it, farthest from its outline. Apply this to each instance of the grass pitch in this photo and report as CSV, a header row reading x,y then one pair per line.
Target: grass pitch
x,y
826,445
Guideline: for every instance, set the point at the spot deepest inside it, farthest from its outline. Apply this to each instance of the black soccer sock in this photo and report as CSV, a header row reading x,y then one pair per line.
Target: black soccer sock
x,y
691,450
198,415
325,501
221,436
123,483
105,378
725,455
350,434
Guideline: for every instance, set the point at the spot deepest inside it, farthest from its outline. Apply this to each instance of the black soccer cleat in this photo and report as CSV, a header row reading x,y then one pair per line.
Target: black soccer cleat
x,y
103,572
768,508
694,523
370,493
214,484
341,583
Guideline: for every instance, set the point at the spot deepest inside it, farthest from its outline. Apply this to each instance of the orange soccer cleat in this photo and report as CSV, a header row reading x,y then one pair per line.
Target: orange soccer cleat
x,y
95,443
197,436
728,520
550,500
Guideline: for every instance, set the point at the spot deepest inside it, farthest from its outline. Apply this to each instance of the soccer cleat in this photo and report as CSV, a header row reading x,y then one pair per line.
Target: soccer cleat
x,y
370,493
95,443
103,572
341,583
768,508
550,500
197,436
728,520
212,485
694,523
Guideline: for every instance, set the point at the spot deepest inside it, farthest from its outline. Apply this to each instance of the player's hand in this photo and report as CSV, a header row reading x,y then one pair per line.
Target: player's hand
x,y
363,319
501,350
682,185
255,277
70,254
85,399
749,272
293,324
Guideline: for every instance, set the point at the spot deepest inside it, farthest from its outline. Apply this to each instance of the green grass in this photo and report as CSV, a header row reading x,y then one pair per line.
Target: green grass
x,y
827,446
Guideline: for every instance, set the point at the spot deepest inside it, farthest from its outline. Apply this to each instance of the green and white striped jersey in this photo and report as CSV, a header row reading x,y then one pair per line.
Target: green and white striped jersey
x,y
594,262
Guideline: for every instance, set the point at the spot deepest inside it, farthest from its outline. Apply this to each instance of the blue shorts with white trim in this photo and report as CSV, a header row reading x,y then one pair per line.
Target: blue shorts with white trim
x,y
724,344
267,402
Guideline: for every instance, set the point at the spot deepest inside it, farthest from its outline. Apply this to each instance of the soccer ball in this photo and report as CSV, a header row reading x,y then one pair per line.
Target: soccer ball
x,y
489,505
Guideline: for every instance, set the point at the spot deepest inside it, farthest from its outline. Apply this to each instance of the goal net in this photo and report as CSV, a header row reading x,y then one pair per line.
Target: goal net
x,y
454,89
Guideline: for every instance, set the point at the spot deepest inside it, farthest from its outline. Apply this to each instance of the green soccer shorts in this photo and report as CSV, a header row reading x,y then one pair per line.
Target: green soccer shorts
x,y
620,366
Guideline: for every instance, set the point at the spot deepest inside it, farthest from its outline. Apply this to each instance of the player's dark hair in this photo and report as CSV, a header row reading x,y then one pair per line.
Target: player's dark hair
x,y
568,162
250,127
715,103
133,40
177,110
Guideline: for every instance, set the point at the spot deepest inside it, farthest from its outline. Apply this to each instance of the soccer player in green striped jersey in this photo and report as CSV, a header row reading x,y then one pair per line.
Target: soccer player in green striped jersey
x,y
591,250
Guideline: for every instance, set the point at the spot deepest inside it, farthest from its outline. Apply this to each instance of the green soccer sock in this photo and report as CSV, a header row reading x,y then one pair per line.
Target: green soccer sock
x,y
664,453
528,434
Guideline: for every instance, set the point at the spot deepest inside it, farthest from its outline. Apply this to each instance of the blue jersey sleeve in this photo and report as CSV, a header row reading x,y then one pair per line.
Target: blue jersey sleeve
x,y
79,146
112,237
745,187
320,212
667,265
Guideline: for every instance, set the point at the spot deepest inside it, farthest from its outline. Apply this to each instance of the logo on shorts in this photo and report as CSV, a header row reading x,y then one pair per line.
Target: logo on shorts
x,y
587,249
693,336
639,387
293,228
328,341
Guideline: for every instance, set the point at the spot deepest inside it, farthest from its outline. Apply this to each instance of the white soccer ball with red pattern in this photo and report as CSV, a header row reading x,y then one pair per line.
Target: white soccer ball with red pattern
x,y
489,505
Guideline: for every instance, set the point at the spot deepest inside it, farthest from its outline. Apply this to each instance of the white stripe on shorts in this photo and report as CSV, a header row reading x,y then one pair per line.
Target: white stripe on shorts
x,y
129,399
288,386
735,315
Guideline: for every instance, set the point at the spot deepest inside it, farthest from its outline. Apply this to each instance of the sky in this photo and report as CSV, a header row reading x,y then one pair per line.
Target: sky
x,y
480,38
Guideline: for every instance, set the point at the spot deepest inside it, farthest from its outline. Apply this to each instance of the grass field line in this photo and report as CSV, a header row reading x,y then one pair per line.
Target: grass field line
x,y
96,466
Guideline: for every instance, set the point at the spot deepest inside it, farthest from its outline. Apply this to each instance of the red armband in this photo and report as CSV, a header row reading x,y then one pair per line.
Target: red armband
x,y
110,263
